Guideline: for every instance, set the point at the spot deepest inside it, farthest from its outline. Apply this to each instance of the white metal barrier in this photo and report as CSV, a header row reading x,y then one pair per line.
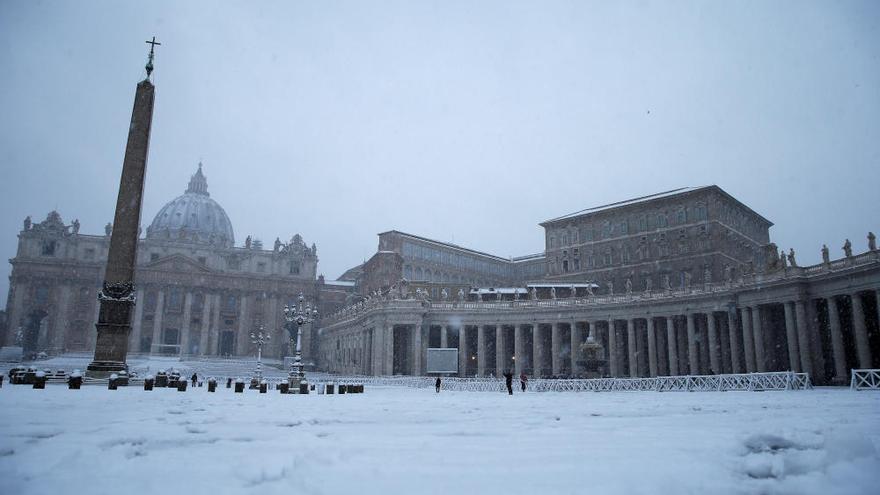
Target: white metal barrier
x,y
865,380
784,380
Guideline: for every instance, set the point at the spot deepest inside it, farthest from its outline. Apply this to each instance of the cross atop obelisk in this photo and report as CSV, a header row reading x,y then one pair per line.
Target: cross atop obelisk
x,y
152,44
118,294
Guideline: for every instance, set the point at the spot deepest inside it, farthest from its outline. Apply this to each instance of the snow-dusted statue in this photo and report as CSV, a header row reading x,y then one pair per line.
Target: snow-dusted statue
x,y
572,291
791,259
782,260
108,229
444,294
847,249
728,274
590,289
667,283
629,286
28,223
248,242
649,284
277,246
687,280
611,287
552,292
707,275
516,294
872,242
533,294
75,227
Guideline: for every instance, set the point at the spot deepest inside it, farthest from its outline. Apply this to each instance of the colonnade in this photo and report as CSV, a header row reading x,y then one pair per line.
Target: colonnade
x,y
801,334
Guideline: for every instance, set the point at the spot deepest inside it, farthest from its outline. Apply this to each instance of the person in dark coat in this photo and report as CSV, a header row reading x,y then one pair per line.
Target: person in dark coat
x,y
508,380
523,381
228,382
194,379
437,384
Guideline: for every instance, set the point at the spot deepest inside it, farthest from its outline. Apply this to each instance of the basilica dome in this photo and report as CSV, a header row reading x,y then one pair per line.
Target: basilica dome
x,y
193,217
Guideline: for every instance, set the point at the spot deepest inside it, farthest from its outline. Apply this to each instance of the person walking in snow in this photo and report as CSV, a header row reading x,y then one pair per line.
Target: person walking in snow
x,y
194,379
508,381
523,381
437,384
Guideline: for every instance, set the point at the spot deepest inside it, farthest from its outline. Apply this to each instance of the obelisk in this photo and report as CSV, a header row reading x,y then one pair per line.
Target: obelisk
x,y
117,297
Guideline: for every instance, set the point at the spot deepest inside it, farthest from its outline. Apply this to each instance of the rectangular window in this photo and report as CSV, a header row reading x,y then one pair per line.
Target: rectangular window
x,y
49,248
261,266
203,261
624,227
154,256
90,253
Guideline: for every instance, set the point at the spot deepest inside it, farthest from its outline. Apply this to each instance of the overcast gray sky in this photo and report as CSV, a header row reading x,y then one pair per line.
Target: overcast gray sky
x,y
464,121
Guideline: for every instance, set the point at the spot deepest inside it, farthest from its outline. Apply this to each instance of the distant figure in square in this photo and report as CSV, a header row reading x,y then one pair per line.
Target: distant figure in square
x,y
508,381
437,384
195,378
523,381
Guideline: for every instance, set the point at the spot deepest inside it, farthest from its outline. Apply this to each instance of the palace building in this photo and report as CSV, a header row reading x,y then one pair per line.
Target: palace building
x,y
680,282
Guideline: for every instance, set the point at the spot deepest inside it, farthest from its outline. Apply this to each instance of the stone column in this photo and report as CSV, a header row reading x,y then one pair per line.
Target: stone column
x,y
758,330
556,349
748,340
537,350
389,350
500,351
840,371
652,347
462,350
242,333
481,350
804,337
703,332
157,322
631,347
735,364
206,325
184,349
670,344
417,350
378,351
693,359
444,339
794,358
518,344
612,350
214,342
575,338
714,350
863,348
137,324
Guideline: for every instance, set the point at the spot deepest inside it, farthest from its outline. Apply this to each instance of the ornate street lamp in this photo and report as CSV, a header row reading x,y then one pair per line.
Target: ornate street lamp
x,y
299,314
259,339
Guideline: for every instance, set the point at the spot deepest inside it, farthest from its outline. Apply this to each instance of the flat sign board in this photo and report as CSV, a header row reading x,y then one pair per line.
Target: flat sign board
x,y
442,360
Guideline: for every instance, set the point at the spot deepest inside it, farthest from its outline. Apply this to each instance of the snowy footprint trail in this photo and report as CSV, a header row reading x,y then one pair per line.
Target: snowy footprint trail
x,y
400,440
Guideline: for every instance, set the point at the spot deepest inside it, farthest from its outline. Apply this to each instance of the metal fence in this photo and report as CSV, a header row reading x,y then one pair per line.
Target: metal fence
x,y
784,380
865,380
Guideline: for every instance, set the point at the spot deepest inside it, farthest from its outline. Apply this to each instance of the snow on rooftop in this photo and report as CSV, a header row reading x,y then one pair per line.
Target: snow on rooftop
x,y
627,202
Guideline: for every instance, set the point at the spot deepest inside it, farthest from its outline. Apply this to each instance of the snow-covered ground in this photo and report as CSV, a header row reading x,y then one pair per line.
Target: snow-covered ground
x,y
402,440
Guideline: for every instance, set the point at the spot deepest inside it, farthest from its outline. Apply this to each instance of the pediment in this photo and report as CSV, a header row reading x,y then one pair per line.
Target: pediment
x,y
178,263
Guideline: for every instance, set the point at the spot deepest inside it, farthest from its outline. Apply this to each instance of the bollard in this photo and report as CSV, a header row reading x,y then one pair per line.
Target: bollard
x,y
263,387
304,387
330,388
1,381
283,387
181,385
74,381
239,386
212,385
342,388
149,381
161,379
39,379
111,383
